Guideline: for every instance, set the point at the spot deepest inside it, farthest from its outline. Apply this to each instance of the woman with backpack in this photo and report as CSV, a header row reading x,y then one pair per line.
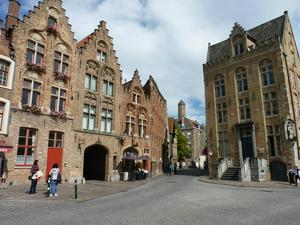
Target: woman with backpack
x,y
55,178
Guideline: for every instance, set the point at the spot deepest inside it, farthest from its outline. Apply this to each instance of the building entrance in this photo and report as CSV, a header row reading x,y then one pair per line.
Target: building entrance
x,y
246,142
95,163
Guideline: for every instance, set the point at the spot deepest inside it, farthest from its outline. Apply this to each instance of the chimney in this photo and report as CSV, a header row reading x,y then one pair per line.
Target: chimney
x,y
12,17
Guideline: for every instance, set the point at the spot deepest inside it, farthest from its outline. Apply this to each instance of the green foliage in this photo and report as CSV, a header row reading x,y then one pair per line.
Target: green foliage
x,y
183,150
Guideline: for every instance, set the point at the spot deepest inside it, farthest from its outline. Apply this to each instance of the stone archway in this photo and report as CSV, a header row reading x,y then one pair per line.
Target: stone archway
x,y
95,163
129,157
278,171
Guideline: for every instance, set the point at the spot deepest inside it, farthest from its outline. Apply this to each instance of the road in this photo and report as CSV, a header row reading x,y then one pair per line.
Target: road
x,y
170,200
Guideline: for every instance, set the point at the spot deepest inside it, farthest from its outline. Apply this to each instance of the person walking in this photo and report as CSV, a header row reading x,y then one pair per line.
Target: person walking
x,y
175,167
4,172
296,175
291,176
54,179
34,179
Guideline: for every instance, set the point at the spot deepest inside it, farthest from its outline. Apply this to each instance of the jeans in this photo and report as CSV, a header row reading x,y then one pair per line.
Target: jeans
x,y
33,186
53,186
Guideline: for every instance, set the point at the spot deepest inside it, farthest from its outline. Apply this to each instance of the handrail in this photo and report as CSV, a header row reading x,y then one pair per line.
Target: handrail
x,y
245,170
224,164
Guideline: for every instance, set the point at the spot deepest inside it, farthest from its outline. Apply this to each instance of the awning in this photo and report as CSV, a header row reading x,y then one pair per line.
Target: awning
x,y
143,157
132,157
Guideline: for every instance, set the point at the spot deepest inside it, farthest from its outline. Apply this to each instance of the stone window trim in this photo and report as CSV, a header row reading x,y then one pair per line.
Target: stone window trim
x,y
56,139
90,82
241,80
107,88
142,123
136,98
219,86
221,112
4,114
101,56
267,73
58,99
35,53
61,63
89,117
31,94
274,141
106,120
10,72
239,48
27,145
130,124
244,108
270,103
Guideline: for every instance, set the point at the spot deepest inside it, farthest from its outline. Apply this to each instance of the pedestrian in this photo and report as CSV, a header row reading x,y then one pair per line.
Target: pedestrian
x,y
54,179
171,168
175,167
4,172
32,176
291,176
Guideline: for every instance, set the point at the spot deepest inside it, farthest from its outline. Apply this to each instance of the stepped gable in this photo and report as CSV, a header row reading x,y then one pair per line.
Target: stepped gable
x,y
152,83
270,29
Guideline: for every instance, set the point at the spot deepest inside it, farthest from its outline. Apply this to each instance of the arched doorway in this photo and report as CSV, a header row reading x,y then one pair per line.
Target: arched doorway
x,y
95,161
278,171
129,156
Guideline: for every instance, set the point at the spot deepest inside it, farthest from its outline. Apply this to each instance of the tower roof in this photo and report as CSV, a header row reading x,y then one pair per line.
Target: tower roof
x,y
181,102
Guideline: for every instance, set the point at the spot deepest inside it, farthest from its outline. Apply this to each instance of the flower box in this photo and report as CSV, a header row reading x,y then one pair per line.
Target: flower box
x,y
61,76
35,67
52,29
32,109
59,115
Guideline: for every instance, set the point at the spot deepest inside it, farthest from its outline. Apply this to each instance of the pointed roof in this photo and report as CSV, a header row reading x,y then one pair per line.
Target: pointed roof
x,y
267,30
181,102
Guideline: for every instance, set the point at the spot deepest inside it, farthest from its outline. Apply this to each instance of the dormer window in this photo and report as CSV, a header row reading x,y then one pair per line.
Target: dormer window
x,y
239,49
101,56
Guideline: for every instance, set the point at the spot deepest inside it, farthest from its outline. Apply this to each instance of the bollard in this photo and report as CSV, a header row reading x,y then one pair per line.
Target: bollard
x,y
48,188
75,188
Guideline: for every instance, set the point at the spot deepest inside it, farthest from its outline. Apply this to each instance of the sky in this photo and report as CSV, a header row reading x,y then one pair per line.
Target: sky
x,y
168,39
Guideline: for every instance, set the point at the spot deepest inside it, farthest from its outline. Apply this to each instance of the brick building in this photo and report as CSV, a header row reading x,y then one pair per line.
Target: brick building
x,y
69,105
252,102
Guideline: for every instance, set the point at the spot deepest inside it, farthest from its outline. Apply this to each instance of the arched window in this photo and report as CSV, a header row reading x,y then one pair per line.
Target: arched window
x,y
241,79
220,86
266,72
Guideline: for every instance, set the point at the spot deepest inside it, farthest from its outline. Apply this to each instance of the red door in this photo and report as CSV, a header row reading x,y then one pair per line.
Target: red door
x,y
54,156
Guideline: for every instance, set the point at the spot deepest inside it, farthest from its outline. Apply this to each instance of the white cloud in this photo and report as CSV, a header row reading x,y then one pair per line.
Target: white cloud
x,y
168,39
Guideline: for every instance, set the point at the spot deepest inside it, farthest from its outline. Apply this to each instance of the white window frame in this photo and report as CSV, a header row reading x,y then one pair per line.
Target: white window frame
x,y
89,116
105,120
6,111
32,90
107,88
61,62
244,108
101,56
10,74
59,98
130,123
268,73
271,102
88,78
142,127
35,49
220,87
241,80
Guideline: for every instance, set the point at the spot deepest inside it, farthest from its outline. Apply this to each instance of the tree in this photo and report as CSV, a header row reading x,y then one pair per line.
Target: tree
x,y
183,150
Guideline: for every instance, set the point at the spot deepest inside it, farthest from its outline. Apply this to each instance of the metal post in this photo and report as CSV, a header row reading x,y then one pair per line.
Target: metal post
x,y
48,188
75,188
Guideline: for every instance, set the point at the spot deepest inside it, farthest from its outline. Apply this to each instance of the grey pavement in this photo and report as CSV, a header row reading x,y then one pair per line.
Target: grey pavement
x,y
168,200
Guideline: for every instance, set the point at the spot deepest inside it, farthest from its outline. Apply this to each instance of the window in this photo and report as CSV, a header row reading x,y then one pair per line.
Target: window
x,y
220,87
274,146
136,98
266,72
115,163
52,21
55,139
2,104
107,88
241,79
26,146
35,52
31,93
270,104
101,56
90,82
244,108
239,49
4,66
296,107
106,121
61,62
89,117
142,127
223,144
222,112
58,99
146,151
129,125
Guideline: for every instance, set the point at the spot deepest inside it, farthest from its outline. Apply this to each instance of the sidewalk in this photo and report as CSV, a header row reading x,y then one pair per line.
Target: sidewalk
x,y
264,184
88,191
